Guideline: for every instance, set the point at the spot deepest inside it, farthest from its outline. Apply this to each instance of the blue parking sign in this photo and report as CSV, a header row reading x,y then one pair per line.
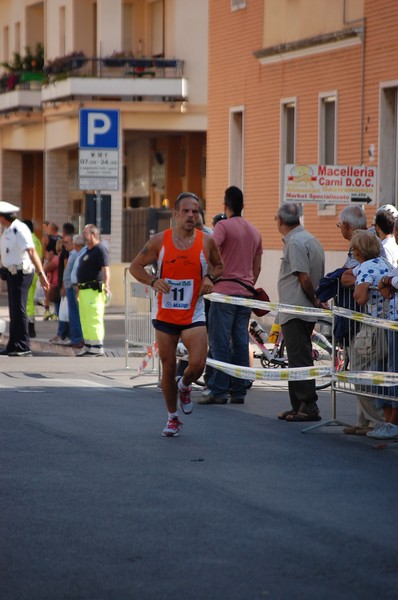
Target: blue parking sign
x,y
98,128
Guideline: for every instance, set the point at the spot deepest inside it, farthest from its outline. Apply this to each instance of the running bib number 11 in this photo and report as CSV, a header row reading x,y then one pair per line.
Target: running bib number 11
x,y
180,295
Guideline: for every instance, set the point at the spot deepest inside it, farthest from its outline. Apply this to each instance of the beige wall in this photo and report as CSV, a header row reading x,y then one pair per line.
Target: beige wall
x,y
291,20
191,43
23,138
186,38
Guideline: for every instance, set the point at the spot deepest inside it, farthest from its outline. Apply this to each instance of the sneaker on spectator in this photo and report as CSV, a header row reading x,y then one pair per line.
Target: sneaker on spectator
x,y
172,428
371,433
209,398
184,398
387,432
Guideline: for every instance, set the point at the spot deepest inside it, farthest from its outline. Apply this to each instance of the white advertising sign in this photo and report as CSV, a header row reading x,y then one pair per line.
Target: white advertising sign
x,y
329,184
98,183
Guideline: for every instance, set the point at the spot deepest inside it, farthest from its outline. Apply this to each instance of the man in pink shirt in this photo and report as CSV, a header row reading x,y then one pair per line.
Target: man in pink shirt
x,y
241,250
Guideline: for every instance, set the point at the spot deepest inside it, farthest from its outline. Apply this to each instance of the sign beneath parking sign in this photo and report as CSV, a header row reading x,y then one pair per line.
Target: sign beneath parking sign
x,y
98,149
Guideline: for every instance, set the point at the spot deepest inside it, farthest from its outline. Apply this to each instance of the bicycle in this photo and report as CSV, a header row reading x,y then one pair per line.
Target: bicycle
x,y
276,357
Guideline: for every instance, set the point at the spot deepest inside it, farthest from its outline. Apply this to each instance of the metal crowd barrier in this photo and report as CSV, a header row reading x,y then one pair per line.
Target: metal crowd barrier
x,y
364,360
370,344
365,349
139,332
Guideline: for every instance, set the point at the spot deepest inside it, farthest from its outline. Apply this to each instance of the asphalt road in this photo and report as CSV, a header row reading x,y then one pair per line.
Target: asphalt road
x,y
97,505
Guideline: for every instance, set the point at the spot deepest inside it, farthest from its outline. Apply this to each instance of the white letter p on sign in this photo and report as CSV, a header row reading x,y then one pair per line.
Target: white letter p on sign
x,y
97,124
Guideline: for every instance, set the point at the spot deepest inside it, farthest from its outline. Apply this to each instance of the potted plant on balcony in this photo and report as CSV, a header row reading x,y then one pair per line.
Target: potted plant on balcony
x,y
61,67
24,69
117,59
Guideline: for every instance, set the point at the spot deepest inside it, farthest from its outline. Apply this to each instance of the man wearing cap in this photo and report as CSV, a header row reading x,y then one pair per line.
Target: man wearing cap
x,y
20,260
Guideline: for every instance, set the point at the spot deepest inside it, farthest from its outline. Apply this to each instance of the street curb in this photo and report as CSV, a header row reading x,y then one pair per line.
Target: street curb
x,y
43,346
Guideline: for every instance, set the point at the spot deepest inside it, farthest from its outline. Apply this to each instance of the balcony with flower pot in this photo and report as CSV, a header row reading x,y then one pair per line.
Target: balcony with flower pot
x,y
21,80
119,76
28,84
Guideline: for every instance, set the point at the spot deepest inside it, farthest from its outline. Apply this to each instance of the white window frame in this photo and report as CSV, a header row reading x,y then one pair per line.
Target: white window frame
x,y
17,36
284,104
62,30
387,143
323,99
236,153
238,4
157,27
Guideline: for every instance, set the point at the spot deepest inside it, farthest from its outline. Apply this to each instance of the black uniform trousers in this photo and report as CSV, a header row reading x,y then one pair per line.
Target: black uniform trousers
x,y
18,286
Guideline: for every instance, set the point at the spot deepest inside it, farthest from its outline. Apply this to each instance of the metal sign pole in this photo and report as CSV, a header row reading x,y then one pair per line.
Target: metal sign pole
x,y
98,201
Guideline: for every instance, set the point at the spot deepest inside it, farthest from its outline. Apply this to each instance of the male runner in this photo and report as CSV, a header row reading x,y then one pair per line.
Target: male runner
x,y
188,261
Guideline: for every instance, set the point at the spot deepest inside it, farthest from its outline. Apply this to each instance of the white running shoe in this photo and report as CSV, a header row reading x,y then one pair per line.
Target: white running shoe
x,y
184,399
172,428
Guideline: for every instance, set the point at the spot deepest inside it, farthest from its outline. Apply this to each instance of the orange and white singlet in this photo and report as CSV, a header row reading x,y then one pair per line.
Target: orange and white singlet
x,y
184,270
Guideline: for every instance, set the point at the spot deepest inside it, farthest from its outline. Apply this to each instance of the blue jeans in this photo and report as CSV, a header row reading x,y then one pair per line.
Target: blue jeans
x,y
229,343
75,328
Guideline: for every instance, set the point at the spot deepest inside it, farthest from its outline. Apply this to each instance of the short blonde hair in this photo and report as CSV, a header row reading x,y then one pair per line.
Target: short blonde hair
x,y
58,246
366,243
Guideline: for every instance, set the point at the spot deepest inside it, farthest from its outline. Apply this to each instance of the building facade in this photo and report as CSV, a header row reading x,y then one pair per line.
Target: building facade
x,y
145,58
300,82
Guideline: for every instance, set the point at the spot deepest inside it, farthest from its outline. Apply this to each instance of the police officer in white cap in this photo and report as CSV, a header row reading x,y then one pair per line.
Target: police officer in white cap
x,y
19,261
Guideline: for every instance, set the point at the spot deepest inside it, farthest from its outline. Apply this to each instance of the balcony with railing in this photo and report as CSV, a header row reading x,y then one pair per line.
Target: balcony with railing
x,y
78,77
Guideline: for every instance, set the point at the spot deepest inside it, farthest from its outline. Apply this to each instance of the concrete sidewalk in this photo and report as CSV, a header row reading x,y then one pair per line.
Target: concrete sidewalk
x,y
45,330
263,399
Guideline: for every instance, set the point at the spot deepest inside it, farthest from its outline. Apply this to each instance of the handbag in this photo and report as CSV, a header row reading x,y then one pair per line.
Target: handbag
x,y
54,294
258,294
262,296
63,314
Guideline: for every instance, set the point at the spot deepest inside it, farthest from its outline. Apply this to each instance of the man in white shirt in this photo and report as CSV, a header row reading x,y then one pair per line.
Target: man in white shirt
x,y
384,226
20,260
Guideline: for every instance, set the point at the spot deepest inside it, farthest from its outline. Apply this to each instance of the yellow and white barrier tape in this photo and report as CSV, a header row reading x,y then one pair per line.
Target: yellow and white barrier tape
x,y
366,377
304,310
292,374
301,373
366,319
272,306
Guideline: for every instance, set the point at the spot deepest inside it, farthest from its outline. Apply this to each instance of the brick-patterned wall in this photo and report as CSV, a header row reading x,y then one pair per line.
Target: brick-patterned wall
x,y
56,200
115,239
56,186
237,78
11,177
381,49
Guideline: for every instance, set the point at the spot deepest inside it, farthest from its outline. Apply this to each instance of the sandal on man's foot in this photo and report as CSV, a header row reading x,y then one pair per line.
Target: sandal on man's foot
x,y
283,416
300,417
